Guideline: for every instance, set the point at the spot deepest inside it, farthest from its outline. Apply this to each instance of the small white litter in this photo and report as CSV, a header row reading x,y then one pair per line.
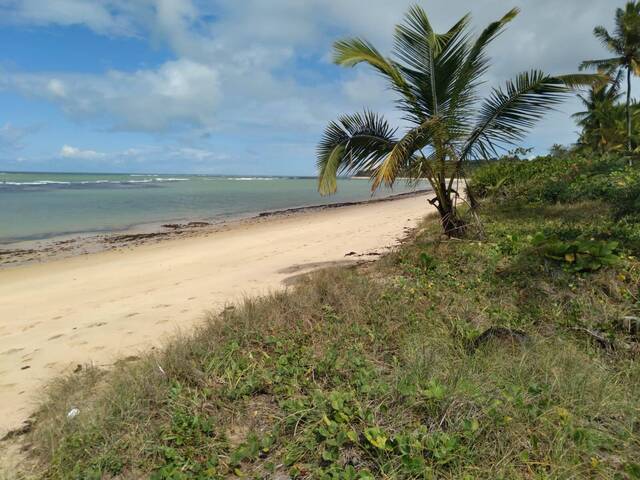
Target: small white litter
x,y
73,413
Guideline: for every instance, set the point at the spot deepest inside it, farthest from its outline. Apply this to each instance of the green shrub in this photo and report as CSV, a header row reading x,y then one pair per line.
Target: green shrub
x,y
569,179
561,179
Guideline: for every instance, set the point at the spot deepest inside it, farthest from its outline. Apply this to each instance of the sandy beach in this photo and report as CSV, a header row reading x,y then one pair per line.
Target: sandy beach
x,y
96,307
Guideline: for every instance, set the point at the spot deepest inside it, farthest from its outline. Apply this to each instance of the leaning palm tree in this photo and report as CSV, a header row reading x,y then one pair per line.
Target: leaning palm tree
x,y
625,45
436,78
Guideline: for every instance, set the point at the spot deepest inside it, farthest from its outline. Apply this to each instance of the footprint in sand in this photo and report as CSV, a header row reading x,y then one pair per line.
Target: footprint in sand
x,y
97,324
162,305
133,314
56,336
29,327
12,350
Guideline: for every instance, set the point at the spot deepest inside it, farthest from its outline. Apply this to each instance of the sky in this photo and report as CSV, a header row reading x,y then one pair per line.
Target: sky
x,y
234,87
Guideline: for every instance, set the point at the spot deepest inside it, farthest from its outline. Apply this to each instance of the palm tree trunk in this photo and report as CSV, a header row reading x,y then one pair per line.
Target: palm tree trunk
x,y
629,112
452,224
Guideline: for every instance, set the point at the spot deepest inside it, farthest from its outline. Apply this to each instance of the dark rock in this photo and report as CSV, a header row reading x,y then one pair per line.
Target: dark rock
x,y
502,334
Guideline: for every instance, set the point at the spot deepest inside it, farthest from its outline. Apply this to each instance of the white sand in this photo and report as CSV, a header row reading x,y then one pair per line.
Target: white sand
x,y
97,307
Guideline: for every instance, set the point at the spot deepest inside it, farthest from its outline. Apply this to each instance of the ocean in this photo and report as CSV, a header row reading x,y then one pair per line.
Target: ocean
x,y
44,205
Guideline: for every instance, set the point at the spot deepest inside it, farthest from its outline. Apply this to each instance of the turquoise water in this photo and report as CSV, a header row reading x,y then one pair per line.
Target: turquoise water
x,y
42,205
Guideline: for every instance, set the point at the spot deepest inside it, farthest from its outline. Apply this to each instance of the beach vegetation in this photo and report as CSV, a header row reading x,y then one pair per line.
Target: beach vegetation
x,y
571,177
492,356
437,79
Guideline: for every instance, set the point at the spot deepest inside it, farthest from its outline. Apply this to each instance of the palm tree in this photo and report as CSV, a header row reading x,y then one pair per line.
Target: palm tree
x,y
600,119
625,45
437,78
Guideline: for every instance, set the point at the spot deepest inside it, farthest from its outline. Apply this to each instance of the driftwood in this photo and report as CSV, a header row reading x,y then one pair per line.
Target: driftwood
x,y
600,339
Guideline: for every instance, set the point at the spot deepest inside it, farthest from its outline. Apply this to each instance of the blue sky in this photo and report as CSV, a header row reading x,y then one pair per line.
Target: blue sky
x,y
227,86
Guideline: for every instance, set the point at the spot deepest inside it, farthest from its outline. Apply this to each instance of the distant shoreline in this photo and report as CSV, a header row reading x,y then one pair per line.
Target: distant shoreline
x,y
46,207
65,245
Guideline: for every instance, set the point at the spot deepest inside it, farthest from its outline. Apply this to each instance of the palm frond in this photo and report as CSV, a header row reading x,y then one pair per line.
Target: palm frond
x,y
610,43
351,52
354,142
580,117
327,179
507,115
415,41
399,157
603,64
627,21
613,93
574,81
476,62
469,75
429,60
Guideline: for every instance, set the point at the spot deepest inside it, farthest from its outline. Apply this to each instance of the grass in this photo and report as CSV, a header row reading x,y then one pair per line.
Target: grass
x,y
372,372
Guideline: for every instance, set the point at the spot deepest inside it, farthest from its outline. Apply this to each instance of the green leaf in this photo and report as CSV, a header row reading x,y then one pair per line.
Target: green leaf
x,y
376,437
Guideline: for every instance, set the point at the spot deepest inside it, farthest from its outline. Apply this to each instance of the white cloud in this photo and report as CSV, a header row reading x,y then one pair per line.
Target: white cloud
x,y
12,137
144,158
68,151
103,16
56,88
241,68
178,92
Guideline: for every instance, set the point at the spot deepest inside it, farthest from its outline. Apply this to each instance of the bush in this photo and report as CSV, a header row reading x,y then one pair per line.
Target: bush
x,y
561,179
569,179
